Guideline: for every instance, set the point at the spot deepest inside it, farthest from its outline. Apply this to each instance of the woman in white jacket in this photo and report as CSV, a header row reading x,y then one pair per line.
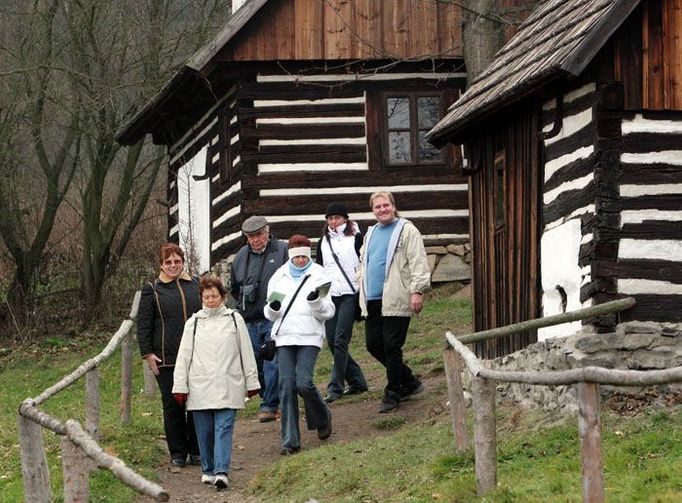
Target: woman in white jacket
x,y
338,251
214,370
299,304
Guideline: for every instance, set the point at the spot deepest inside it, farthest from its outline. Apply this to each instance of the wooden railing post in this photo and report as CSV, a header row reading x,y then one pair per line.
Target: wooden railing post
x,y
149,380
485,440
126,377
34,469
590,442
92,403
453,373
76,467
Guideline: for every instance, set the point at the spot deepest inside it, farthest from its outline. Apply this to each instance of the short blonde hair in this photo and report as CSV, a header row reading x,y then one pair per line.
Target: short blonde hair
x,y
387,195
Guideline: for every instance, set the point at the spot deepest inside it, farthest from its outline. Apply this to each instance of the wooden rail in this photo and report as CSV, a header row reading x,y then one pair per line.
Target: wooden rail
x,y
79,446
458,357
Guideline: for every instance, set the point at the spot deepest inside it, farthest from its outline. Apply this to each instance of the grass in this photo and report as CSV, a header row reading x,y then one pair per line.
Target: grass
x,y
642,458
538,457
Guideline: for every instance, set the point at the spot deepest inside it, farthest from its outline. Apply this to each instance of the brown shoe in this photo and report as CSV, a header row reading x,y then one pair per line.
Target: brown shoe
x,y
266,416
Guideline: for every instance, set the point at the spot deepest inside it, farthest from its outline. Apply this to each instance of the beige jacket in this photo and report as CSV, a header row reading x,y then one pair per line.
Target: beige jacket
x,y
408,270
215,365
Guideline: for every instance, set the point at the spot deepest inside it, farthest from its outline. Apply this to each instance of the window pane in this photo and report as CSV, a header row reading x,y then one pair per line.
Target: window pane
x,y
398,111
428,108
399,149
428,152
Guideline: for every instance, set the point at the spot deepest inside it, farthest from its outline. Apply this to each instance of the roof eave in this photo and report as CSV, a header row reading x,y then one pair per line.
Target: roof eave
x,y
143,121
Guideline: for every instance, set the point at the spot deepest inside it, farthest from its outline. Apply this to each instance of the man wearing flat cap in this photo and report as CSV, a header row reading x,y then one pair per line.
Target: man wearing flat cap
x,y
252,268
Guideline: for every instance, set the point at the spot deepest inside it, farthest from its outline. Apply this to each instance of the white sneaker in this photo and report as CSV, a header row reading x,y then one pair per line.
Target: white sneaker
x,y
207,479
221,481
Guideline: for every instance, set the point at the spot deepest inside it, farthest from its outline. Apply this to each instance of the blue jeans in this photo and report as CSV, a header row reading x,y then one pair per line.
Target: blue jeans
x,y
296,365
268,372
214,433
339,331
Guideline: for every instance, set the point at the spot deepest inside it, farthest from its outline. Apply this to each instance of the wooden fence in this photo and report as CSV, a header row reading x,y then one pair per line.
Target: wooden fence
x,y
458,357
79,447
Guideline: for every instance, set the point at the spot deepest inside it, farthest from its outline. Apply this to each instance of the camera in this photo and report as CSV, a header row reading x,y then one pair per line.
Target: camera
x,y
249,294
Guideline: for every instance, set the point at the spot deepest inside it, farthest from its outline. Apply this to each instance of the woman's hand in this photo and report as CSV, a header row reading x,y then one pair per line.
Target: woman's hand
x,y
251,393
181,398
151,362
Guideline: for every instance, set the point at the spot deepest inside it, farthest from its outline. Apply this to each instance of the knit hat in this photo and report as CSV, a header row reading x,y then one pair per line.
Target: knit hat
x,y
336,209
299,245
253,224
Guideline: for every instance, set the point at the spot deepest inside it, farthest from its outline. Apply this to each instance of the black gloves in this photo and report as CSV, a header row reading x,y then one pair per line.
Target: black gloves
x,y
275,305
313,295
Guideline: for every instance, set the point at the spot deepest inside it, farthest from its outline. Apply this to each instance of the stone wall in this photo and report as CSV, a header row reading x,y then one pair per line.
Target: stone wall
x,y
449,263
632,347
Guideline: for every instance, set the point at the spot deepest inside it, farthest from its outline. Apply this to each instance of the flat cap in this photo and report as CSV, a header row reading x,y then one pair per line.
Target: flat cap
x,y
253,224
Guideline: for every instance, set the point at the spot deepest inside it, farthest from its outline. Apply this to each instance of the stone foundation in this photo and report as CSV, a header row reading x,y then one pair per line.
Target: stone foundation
x,y
631,347
449,263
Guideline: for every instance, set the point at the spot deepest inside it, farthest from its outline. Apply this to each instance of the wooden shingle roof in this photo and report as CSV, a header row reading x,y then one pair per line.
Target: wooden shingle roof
x,y
558,39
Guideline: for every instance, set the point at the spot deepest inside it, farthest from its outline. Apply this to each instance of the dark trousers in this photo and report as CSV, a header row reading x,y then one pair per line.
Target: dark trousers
x,y
178,424
385,337
339,331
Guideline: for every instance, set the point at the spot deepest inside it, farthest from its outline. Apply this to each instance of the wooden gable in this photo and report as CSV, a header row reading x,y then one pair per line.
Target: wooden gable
x,y
343,29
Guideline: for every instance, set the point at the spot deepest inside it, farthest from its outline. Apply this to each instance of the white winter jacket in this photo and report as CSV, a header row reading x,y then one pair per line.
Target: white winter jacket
x,y
215,366
304,323
344,247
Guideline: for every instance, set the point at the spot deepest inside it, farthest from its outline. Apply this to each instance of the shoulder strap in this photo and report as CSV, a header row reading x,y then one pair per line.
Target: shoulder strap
x,y
286,311
194,334
336,259
239,344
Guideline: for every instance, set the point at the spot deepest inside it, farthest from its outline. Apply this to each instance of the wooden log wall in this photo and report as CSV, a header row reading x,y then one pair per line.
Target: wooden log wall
x,y
647,56
568,201
649,253
305,141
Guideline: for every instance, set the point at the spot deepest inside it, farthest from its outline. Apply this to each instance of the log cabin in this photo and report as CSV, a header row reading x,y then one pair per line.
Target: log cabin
x,y
297,103
573,147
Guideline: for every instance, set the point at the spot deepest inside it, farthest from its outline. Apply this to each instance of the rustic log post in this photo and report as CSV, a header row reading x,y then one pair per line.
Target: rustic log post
x,y
76,466
92,403
149,380
485,441
126,377
453,373
590,442
34,469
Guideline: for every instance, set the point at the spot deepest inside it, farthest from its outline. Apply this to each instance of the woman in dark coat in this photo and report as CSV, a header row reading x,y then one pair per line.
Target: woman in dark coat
x,y
165,305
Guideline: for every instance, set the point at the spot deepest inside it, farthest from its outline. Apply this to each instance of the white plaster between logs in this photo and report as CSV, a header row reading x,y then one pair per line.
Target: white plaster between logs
x,y
570,125
572,95
559,252
650,190
360,140
647,286
234,188
575,213
586,238
322,121
654,249
641,125
673,157
224,240
368,190
639,216
555,165
370,216
228,214
321,101
576,184
173,209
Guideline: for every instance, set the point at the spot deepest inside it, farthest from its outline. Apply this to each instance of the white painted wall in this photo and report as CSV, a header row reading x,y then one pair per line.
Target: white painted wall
x,y
194,224
559,252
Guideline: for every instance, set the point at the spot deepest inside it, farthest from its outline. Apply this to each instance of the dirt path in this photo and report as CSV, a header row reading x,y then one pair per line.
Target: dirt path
x,y
256,445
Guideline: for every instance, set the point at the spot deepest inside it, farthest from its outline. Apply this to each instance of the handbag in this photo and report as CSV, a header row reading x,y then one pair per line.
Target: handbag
x,y
269,348
358,310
